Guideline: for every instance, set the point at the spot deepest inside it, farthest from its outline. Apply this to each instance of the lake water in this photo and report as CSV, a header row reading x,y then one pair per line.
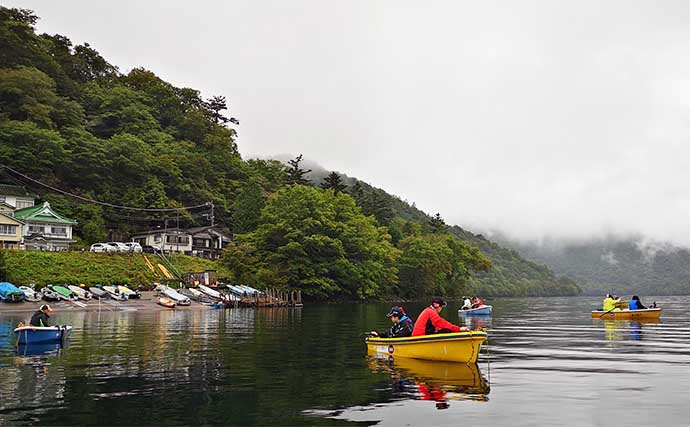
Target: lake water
x,y
547,363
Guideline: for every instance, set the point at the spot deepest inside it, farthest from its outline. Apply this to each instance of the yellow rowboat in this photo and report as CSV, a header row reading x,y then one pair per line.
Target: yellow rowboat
x,y
454,347
646,314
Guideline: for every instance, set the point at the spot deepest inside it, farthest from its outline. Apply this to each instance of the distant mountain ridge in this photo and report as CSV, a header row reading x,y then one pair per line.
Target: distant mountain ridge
x,y
623,265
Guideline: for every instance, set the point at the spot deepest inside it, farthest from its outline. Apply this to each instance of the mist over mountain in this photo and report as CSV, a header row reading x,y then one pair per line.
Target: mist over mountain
x,y
622,264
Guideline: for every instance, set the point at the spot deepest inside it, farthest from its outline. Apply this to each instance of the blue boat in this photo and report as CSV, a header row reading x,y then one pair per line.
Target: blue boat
x,y
483,310
10,293
41,334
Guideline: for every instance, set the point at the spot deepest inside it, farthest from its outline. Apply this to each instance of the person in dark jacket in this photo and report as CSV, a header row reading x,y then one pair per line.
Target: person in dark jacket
x,y
40,318
636,304
402,325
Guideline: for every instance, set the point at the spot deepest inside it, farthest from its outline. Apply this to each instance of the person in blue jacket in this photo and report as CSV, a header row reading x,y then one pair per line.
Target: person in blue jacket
x,y
636,304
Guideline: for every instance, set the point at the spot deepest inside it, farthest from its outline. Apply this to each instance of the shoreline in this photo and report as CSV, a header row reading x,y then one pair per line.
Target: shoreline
x,y
147,303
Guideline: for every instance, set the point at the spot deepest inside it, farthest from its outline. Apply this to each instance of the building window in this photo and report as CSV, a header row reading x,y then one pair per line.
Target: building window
x,y
8,230
177,240
21,204
36,229
60,231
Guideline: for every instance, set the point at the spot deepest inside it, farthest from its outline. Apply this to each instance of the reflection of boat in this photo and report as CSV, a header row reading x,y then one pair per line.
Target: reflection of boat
x,y
166,302
27,334
450,376
10,293
30,294
454,347
649,313
80,292
47,349
481,310
130,293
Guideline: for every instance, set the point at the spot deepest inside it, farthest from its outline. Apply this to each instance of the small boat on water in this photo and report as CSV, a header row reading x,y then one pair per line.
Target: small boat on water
x,y
30,294
115,293
166,302
131,294
49,294
482,310
98,292
453,347
27,334
10,293
81,293
645,314
172,294
64,293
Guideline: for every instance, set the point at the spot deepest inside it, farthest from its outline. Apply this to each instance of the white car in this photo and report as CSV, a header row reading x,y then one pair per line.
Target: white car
x,y
103,247
134,247
121,247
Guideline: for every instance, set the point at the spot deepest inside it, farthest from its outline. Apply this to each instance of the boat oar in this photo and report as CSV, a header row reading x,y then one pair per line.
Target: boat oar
x,y
607,312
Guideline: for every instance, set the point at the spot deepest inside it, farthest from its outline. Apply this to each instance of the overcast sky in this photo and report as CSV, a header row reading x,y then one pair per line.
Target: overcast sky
x,y
534,118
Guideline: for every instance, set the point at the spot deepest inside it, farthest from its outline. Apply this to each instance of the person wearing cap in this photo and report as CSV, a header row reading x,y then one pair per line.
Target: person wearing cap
x,y
477,302
402,325
40,318
430,321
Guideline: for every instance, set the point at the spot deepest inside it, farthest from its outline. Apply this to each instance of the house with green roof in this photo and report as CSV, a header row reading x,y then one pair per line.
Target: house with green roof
x,y
44,228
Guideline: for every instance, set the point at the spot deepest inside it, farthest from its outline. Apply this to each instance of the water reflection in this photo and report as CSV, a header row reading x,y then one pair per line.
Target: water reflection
x,y
440,382
617,332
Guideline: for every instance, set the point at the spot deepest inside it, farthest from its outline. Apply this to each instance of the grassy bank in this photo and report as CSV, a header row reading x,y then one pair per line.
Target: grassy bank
x,y
42,268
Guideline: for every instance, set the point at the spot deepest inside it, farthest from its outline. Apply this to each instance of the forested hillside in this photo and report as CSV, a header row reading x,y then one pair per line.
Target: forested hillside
x,y
616,264
71,121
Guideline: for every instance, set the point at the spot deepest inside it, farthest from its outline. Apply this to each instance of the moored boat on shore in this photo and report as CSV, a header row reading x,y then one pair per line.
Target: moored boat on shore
x,y
64,293
49,294
10,293
453,347
166,302
115,293
81,293
645,314
98,292
172,294
131,294
30,294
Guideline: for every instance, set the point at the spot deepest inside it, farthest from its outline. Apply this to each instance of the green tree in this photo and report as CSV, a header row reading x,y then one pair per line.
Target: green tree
x,y
3,266
333,182
296,173
438,225
27,94
321,243
247,208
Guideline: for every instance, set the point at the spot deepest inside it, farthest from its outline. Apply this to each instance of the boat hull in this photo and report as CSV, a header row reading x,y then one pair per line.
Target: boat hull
x,y
647,314
41,335
484,310
454,347
166,302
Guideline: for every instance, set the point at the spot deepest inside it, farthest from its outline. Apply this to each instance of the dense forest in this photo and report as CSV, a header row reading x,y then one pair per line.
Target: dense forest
x,y
75,122
622,265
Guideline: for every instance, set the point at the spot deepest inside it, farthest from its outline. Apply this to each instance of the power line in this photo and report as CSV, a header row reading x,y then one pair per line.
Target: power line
x,y
110,205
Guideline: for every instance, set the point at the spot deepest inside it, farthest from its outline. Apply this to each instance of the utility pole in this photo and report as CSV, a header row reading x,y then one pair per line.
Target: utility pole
x,y
212,216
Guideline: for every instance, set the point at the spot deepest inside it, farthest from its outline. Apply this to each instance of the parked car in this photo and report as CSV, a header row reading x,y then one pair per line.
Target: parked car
x,y
134,247
121,247
103,247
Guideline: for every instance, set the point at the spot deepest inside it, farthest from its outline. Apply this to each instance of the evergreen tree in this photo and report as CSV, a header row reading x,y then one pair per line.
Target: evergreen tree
x,y
296,173
217,104
333,181
438,225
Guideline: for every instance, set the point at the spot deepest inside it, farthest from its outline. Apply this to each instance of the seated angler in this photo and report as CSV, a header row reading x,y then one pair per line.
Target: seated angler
x,y
430,322
402,325
477,302
636,304
40,318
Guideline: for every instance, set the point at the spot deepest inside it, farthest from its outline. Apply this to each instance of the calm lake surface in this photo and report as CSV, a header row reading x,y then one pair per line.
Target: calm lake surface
x,y
547,363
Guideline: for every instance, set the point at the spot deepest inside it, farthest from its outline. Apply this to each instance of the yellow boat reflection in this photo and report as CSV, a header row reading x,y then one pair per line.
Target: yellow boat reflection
x,y
436,380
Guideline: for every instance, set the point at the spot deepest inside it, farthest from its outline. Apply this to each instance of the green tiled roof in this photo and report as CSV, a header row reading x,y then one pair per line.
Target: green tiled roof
x,y
15,190
41,213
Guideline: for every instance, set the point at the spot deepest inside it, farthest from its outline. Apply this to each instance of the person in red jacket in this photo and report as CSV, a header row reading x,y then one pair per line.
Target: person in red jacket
x,y
430,322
